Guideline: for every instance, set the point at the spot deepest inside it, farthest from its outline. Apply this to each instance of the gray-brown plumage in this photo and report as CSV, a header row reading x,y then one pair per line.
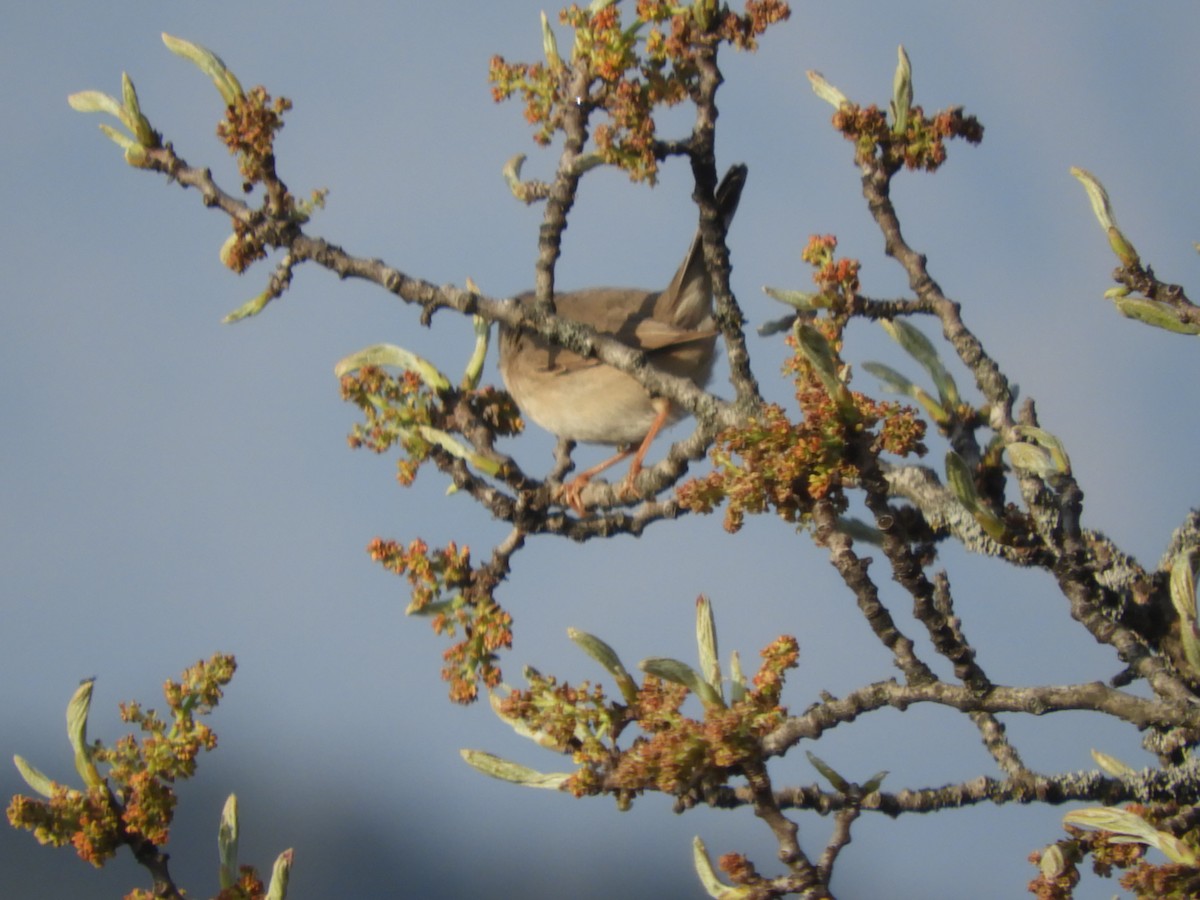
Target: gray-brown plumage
x,y
585,400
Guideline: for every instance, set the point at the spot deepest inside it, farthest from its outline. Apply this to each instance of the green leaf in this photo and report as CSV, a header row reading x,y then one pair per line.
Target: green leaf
x,y
775,326
1183,598
805,301
505,770
819,353
871,785
919,347
711,883
33,777
396,357
962,485
95,101
608,658
210,64
1151,312
681,673
1132,829
960,480
474,370
457,449
896,383
1057,453
840,784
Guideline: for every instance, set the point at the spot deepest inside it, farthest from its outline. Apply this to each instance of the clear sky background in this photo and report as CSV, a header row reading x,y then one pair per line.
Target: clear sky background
x,y
173,487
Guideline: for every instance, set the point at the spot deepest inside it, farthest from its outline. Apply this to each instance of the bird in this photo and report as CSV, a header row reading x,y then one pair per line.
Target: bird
x,y
581,399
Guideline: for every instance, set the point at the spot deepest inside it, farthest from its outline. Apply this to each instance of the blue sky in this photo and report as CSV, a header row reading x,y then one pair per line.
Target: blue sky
x,y
173,486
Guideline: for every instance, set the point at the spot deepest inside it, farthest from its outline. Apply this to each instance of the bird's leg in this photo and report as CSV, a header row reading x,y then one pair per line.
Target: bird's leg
x,y
625,488
570,492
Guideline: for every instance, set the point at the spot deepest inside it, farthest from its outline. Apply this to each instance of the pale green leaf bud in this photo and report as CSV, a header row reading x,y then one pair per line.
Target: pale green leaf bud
x,y
77,716
706,642
136,122
550,46
1120,245
1048,442
120,138
1096,195
738,687
871,785
902,92
1111,765
136,156
1032,459
709,880
227,843
1052,863
251,307
280,874
1102,209
826,91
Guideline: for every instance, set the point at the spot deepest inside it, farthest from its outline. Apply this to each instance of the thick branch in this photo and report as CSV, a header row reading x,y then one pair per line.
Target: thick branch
x,y
1093,696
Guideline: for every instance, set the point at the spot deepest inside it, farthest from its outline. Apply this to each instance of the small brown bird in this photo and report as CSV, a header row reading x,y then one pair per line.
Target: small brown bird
x,y
585,400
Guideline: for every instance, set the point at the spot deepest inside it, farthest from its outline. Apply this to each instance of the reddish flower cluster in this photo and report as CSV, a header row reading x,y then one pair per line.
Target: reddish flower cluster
x,y
922,144
773,463
249,132
626,83
1145,880
442,587
136,801
394,408
677,754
